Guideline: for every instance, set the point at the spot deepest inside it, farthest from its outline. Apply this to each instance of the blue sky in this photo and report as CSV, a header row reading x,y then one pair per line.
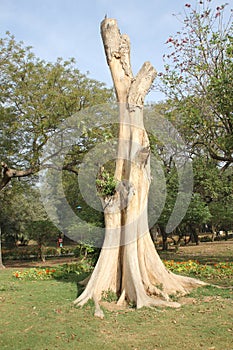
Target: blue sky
x,y
70,28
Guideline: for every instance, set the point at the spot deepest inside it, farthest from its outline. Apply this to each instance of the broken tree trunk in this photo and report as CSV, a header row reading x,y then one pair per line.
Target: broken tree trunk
x,y
128,263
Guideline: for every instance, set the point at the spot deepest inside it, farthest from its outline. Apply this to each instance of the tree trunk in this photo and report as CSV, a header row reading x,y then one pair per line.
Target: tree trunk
x,y
164,239
41,252
128,263
1,263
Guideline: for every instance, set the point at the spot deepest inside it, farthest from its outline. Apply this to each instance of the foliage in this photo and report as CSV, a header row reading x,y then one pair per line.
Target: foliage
x,y
65,271
42,231
36,97
198,212
106,184
20,205
82,250
34,274
83,209
217,271
198,79
109,296
215,188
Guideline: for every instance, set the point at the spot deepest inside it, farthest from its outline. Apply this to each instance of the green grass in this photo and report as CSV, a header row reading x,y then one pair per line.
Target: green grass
x,y
39,315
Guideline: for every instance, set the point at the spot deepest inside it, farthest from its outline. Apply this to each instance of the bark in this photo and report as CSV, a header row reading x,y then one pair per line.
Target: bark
x,y
129,264
214,233
1,263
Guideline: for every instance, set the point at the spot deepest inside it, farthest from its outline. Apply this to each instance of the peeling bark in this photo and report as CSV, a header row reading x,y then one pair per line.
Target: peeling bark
x,y
129,264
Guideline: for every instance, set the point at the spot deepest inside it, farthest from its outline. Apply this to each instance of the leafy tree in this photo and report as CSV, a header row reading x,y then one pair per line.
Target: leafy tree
x,y
197,214
215,187
198,79
35,97
20,205
42,231
222,215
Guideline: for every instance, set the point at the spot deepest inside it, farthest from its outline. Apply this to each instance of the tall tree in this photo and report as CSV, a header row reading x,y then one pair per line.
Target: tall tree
x,y
35,97
198,79
128,263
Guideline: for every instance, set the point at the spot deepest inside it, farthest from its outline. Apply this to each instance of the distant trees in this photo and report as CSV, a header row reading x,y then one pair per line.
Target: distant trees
x,y
197,81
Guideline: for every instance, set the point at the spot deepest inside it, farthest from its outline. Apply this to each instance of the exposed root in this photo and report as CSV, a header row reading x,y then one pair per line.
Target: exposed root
x,y
157,302
85,281
98,311
82,299
121,300
144,279
155,291
189,283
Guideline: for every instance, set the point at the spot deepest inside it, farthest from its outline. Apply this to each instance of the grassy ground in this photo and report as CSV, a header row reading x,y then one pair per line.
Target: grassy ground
x,y
39,315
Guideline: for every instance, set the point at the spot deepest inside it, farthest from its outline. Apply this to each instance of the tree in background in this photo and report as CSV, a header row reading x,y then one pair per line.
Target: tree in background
x,y
198,80
23,217
35,97
42,231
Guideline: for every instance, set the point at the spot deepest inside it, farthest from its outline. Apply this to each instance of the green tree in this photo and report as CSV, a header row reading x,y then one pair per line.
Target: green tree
x,y
42,231
35,97
198,79
197,214
215,187
20,205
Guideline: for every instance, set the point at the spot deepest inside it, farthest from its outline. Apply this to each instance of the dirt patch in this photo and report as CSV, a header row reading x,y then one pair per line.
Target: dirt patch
x,y
205,252
49,262
112,306
208,248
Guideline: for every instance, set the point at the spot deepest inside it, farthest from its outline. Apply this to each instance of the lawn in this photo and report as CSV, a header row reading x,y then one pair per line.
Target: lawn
x,y
37,314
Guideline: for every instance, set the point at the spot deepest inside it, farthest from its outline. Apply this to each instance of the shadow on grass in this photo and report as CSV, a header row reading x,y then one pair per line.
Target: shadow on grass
x,y
70,273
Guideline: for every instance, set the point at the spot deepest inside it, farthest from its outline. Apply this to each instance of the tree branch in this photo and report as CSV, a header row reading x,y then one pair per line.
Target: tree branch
x,y
140,86
8,174
117,50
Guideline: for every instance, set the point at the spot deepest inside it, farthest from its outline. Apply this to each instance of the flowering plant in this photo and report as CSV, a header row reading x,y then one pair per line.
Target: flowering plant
x,y
218,270
35,274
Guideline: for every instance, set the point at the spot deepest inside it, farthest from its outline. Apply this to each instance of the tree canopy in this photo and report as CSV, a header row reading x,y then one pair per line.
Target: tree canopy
x,y
35,97
198,79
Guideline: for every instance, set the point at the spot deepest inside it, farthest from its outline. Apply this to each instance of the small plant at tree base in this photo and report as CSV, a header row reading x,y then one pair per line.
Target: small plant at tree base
x,y
106,184
109,296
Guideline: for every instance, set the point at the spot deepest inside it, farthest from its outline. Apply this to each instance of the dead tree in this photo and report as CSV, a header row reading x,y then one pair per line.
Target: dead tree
x,y
128,263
